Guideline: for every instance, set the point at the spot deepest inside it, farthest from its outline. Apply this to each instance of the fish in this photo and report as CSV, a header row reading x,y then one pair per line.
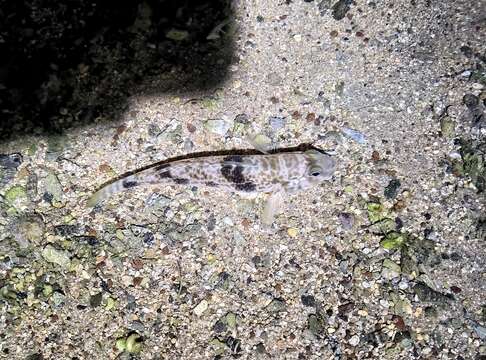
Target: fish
x,y
276,174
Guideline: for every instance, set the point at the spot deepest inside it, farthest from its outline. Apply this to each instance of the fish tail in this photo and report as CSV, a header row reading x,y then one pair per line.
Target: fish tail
x,y
108,190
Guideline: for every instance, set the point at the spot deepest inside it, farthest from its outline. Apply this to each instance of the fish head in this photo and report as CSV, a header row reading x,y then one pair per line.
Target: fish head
x,y
320,166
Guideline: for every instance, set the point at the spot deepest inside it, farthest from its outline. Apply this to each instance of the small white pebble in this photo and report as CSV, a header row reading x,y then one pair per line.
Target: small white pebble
x,y
227,220
403,285
384,303
354,340
201,308
366,284
362,313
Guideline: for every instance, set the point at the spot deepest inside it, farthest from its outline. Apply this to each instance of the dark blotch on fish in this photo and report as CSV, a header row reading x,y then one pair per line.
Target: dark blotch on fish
x,y
233,158
181,181
127,184
161,167
165,175
211,183
247,186
233,173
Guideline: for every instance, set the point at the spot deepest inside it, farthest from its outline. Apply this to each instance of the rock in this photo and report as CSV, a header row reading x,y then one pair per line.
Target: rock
x,y
308,300
220,327
403,285
137,326
447,127
426,294
471,101
188,145
121,344
276,305
56,144
53,186
354,341
177,35
340,9
383,226
28,230
8,167
58,298
403,307
110,303
376,211
390,269
346,220
274,79
277,122
218,346
218,126
59,257
231,320
201,308
95,300
480,330
323,6
16,195
242,119
134,343
391,189
293,232
35,356
172,133
315,324
260,142
354,135
393,241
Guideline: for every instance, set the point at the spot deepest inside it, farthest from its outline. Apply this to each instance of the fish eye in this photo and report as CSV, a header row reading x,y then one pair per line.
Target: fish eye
x,y
315,172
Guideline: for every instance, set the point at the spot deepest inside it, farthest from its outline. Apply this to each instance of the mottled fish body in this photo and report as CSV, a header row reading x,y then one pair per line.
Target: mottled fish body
x,y
267,173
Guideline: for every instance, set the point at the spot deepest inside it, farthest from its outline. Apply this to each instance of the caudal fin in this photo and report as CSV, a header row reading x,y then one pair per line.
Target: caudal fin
x,y
108,190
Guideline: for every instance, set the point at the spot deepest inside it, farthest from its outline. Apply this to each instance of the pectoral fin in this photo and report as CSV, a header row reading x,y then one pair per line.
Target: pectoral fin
x,y
260,142
272,208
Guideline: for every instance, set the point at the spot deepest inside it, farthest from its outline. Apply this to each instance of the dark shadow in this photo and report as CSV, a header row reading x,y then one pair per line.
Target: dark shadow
x,y
67,63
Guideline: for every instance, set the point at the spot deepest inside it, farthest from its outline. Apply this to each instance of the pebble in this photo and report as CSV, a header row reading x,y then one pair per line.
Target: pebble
x,y
354,341
293,232
447,127
29,230
228,221
176,35
403,285
16,195
362,312
58,298
392,266
218,126
201,308
384,303
53,186
340,8
354,135
59,257
277,122
391,189
346,220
